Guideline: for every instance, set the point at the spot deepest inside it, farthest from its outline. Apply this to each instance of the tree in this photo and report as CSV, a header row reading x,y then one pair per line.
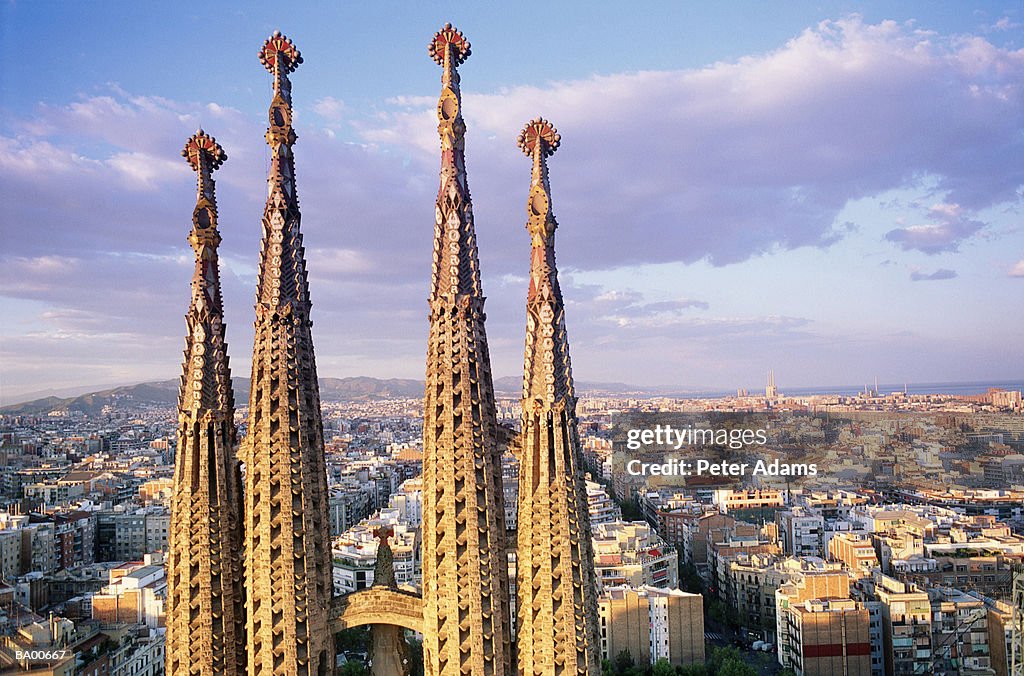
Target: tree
x,y
356,639
354,669
623,661
689,578
736,667
663,668
721,656
723,614
415,657
692,670
631,510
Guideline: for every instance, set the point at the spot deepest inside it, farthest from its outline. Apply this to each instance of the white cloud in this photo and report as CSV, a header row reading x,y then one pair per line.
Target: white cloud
x,y
329,108
741,158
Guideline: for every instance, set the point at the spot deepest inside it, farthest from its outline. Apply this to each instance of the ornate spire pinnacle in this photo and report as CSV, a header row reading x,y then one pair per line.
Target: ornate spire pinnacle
x,y
548,378
280,57
282,282
456,268
288,551
556,631
206,605
465,568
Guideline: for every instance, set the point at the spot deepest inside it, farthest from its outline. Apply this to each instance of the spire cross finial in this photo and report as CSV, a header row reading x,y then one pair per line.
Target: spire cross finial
x,y
280,56
539,140
539,137
449,46
382,533
204,155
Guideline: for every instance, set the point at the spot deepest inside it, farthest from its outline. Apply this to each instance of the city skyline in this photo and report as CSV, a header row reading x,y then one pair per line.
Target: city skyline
x,y
810,179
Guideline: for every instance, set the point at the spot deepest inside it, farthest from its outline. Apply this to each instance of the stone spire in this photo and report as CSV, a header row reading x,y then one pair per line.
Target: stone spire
x,y
288,551
556,628
388,649
205,602
465,568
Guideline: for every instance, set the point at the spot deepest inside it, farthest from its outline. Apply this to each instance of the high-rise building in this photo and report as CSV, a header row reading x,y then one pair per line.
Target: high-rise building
x,y
800,531
906,626
828,636
808,579
960,636
556,622
652,623
287,549
465,574
205,602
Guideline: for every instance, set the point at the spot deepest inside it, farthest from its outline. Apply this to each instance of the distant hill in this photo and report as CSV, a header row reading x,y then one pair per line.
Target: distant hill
x,y
165,393
332,390
513,385
160,392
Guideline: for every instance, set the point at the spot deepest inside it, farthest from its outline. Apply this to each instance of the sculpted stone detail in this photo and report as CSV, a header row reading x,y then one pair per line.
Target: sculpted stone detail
x,y
556,622
388,652
465,571
288,552
205,602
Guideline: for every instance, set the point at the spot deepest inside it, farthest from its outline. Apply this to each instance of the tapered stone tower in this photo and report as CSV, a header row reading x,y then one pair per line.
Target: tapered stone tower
x,y
205,603
465,569
556,622
288,552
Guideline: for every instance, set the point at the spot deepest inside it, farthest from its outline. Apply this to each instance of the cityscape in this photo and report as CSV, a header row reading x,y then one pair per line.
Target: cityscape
x,y
294,522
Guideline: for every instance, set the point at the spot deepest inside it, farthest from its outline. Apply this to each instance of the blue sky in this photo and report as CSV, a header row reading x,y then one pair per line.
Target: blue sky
x,y
832,190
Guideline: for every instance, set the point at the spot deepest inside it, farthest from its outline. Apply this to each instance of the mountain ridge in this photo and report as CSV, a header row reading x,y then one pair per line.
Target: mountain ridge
x,y
332,390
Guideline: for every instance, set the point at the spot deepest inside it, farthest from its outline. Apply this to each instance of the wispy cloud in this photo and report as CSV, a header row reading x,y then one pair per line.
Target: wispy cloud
x,y
941,273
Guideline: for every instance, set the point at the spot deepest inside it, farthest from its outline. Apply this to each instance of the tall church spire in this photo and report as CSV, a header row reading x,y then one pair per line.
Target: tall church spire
x,y
288,551
465,569
205,603
556,630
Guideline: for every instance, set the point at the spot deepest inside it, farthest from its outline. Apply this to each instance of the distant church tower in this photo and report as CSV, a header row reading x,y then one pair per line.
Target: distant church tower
x,y
465,570
556,628
205,603
288,551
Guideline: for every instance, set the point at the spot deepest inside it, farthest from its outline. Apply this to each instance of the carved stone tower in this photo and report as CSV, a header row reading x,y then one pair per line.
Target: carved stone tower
x,y
205,603
465,569
288,552
556,624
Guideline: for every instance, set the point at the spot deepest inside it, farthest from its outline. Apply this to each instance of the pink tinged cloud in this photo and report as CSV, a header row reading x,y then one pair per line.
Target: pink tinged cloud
x,y
949,227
